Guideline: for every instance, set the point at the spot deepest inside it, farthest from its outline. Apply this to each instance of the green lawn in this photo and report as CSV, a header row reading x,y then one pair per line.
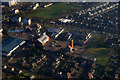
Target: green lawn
x,y
53,11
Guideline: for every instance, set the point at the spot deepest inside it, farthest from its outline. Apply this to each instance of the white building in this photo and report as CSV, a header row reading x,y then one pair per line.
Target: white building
x,y
16,11
66,20
1,32
36,6
45,6
13,2
43,39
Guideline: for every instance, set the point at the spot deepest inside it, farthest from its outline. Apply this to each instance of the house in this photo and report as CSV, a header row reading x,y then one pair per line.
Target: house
x,y
90,75
13,2
10,3
26,21
63,20
16,19
117,76
45,6
1,32
37,27
11,45
55,32
16,11
36,6
68,75
43,39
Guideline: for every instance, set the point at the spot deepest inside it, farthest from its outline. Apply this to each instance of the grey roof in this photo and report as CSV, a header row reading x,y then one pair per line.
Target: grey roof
x,y
54,30
10,44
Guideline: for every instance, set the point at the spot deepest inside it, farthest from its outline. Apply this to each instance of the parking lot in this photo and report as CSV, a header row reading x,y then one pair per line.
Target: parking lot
x,y
54,45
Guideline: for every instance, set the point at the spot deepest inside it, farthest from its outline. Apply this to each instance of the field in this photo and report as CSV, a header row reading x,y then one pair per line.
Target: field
x,y
99,49
102,55
54,11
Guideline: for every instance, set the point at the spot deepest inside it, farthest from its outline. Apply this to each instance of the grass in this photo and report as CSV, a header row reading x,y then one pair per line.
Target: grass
x,y
102,55
98,41
98,49
53,11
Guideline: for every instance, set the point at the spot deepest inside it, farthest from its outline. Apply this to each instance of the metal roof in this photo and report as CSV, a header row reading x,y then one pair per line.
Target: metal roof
x,y
54,30
10,44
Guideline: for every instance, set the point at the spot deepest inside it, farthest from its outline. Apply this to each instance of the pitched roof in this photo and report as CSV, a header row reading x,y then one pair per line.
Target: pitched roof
x,y
68,74
10,44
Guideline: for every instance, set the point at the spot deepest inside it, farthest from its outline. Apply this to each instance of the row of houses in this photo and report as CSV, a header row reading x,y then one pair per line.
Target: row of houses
x,y
65,20
26,21
10,3
45,6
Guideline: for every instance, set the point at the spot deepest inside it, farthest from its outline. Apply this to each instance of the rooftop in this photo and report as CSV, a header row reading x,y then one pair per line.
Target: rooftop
x,y
10,44
43,38
54,30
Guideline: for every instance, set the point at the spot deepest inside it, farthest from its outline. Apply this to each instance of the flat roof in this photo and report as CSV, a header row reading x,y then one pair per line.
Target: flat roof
x,y
10,44
43,38
54,30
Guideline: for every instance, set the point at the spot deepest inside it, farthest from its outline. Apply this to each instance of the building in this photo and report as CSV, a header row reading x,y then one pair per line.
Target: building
x,y
25,21
36,6
88,36
90,75
81,38
63,20
16,11
37,27
11,45
43,39
13,2
16,19
45,6
68,75
68,36
55,31
1,32
10,3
